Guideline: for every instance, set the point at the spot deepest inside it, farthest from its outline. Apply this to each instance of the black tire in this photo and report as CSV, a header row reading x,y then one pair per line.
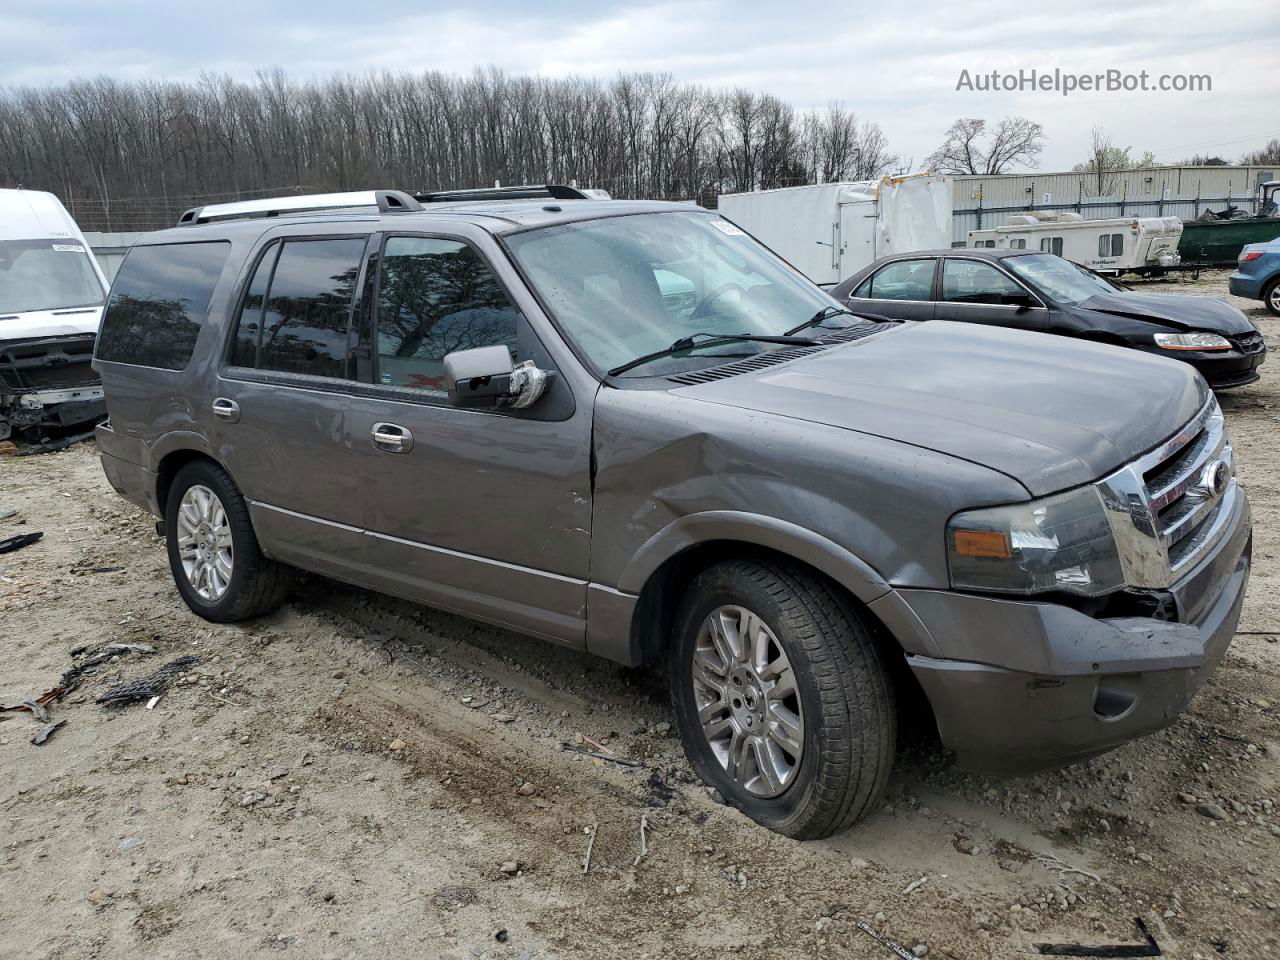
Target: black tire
x,y
1269,298
850,726
257,585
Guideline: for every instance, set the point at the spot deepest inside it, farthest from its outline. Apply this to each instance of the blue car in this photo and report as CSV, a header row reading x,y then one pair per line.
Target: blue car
x,y
1257,274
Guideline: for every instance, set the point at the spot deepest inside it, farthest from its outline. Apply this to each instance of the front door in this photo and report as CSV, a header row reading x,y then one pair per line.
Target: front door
x,y
975,291
483,511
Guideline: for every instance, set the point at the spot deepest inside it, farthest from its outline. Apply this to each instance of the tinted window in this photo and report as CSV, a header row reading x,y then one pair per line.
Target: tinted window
x,y
158,302
968,281
249,325
434,297
308,310
904,280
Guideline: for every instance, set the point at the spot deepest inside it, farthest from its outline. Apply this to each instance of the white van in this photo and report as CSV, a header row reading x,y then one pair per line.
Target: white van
x,y
51,296
1144,245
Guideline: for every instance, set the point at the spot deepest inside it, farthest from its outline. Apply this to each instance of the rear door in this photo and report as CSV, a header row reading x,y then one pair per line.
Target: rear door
x,y
483,511
901,290
282,399
977,291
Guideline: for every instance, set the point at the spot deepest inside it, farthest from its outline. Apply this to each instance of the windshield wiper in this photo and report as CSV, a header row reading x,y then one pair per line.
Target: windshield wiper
x,y
691,341
825,313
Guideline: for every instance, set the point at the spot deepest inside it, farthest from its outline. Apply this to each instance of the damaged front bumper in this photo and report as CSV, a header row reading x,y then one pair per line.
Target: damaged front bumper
x,y
48,382
1020,687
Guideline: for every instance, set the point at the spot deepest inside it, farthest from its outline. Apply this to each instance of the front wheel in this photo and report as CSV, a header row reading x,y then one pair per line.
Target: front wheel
x,y
213,552
781,697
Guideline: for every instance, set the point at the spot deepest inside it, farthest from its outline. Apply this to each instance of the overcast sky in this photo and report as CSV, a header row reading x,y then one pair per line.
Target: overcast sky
x,y
895,64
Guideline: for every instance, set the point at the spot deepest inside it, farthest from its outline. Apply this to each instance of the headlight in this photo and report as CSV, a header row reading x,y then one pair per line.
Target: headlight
x,y
1192,341
1059,543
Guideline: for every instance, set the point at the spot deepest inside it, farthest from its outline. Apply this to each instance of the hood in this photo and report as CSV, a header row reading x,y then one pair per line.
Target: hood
x,y
49,323
1050,412
1172,310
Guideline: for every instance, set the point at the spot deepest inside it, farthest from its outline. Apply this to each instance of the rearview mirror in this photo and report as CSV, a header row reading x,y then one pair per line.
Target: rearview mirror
x,y
485,377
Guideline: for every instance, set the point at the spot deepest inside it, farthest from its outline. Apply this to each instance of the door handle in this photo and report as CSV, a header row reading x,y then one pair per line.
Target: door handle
x,y
227,410
391,437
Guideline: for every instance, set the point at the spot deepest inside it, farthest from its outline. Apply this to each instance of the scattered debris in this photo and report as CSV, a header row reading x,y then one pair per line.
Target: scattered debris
x,y
396,745
602,756
596,743
37,710
893,946
1148,949
6,514
151,704
510,867
45,732
9,544
915,885
152,685
586,861
1212,811
644,843
526,789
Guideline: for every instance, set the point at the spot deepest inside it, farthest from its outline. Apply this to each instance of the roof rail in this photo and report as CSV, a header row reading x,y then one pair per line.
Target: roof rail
x,y
545,191
386,201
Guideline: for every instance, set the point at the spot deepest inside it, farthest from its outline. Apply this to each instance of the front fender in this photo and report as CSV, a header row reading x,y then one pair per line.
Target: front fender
x,y
842,566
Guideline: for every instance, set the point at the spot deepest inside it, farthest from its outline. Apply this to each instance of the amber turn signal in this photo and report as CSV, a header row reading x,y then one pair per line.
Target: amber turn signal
x,y
982,543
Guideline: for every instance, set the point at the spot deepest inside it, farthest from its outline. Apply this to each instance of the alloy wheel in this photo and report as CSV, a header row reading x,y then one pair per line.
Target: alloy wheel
x,y
204,542
748,702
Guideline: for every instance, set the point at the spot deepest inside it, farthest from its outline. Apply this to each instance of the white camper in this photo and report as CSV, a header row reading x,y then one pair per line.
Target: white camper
x,y
829,231
1146,245
51,296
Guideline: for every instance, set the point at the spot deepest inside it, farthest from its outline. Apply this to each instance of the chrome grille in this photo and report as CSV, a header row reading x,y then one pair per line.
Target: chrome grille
x,y
1162,509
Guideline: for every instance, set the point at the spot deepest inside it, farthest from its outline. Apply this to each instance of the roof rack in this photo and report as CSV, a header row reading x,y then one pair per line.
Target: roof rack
x,y
385,201
544,191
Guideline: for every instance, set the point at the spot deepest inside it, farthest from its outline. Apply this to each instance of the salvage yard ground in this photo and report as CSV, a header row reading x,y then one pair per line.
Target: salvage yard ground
x,y
359,777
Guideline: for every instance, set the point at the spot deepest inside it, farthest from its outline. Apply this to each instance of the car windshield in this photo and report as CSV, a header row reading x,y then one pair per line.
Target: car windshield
x,y
626,286
46,275
1062,280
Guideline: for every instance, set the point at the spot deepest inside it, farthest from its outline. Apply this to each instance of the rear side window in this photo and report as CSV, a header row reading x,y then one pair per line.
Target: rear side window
x,y
904,280
297,310
158,303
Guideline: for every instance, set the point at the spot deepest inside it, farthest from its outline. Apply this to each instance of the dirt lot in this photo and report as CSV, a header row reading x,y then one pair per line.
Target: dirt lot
x,y
357,777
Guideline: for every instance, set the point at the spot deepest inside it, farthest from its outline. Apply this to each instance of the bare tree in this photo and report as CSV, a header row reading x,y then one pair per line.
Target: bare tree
x,y
1268,155
968,149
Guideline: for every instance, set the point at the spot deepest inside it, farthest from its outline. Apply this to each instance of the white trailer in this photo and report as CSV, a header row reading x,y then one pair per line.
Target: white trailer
x,y
829,231
1145,245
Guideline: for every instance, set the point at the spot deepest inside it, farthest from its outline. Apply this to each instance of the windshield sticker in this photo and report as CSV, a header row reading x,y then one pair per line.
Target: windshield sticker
x,y
68,248
728,229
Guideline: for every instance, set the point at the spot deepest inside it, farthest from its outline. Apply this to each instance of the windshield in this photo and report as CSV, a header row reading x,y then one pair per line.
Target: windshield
x,y
1061,279
46,275
623,287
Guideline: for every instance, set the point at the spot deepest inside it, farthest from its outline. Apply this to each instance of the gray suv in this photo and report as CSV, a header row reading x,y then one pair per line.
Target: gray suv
x,y
629,428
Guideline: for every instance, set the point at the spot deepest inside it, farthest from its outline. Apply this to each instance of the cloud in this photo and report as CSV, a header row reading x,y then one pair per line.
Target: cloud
x,y
897,67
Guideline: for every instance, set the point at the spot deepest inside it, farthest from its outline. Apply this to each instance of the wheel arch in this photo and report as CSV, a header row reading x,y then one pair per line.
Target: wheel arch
x,y
663,567
178,452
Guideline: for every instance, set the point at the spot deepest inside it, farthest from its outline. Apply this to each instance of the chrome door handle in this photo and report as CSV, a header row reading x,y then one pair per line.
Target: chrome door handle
x,y
392,438
225,409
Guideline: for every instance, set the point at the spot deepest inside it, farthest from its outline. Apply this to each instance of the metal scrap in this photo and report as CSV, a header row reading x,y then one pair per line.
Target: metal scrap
x,y
586,861
1148,949
152,685
9,544
45,732
893,946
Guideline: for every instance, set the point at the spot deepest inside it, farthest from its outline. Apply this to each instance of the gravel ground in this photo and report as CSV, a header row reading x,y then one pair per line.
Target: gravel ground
x,y
356,776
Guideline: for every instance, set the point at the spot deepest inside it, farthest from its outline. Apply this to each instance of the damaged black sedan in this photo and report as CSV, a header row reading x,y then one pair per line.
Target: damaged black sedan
x,y
1030,290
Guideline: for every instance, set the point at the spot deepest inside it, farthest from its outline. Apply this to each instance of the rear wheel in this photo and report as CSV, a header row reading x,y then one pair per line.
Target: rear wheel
x,y
781,697
213,553
1271,296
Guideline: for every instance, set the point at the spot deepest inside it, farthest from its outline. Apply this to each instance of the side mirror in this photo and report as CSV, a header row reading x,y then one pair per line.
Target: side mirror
x,y
1022,301
485,377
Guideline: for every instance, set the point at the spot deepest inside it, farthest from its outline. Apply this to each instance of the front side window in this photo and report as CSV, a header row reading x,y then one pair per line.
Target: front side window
x,y
46,275
968,281
158,303
297,310
622,287
1062,280
904,280
436,296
